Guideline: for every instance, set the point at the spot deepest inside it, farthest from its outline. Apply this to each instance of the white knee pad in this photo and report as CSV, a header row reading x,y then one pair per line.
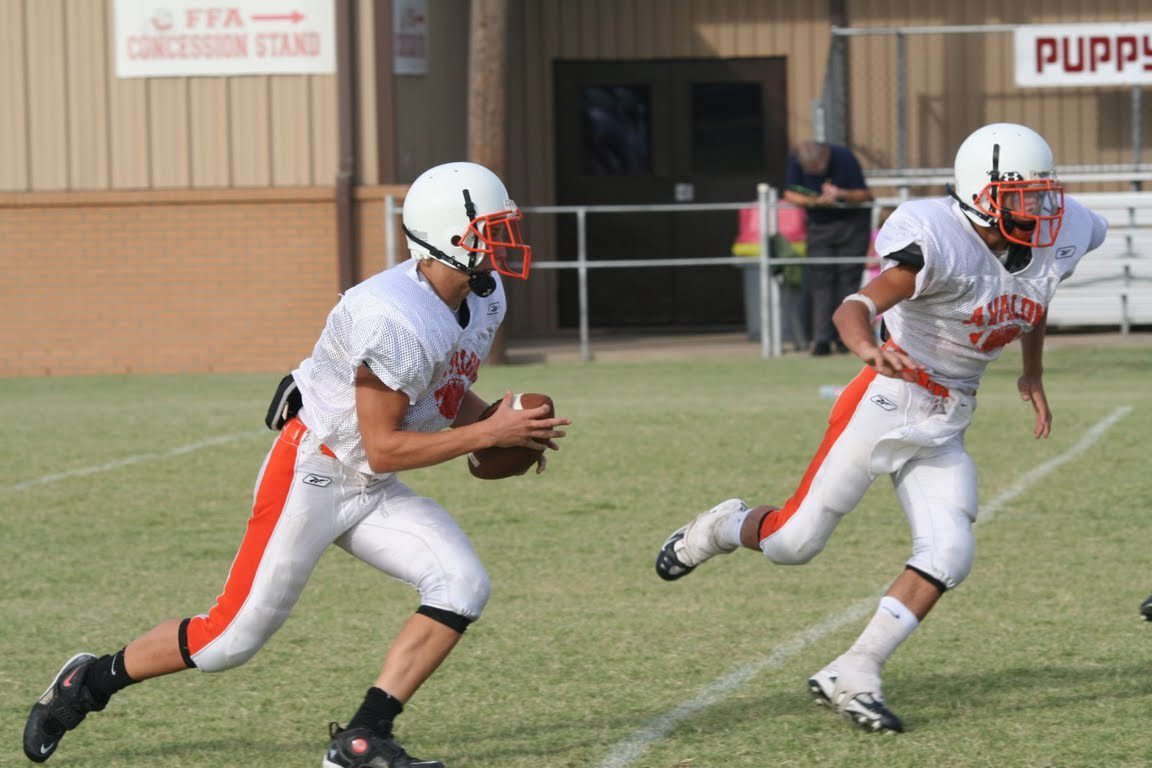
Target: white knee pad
x,y
947,559
464,590
231,649
791,546
216,659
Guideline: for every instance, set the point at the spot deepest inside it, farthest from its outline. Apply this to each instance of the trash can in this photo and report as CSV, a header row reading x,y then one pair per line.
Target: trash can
x,y
788,243
789,281
791,306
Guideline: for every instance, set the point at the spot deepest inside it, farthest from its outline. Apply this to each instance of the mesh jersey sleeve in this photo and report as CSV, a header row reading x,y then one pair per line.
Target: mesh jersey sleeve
x,y
902,241
393,350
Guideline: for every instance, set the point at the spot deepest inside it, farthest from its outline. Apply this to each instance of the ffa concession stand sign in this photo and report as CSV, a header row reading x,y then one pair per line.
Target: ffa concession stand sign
x,y
182,38
1084,54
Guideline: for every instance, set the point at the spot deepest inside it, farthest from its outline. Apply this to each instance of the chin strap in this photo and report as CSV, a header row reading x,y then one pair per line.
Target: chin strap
x,y
480,282
951,190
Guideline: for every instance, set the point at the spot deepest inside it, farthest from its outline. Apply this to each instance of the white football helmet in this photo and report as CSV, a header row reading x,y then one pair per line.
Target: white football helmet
x,y
1005,176
460,213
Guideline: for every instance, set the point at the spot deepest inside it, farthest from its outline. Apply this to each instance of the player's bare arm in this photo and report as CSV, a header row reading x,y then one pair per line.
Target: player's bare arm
x,y
470,409
1030,383
380,411
853,321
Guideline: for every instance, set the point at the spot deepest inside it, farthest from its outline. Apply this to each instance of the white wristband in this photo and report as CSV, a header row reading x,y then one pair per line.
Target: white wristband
x,y
867,302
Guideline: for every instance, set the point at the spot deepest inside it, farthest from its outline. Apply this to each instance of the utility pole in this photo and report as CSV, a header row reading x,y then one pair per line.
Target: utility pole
x,y
487,73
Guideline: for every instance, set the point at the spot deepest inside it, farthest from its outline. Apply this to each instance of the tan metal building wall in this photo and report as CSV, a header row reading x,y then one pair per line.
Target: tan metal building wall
x,y
957,82
68,123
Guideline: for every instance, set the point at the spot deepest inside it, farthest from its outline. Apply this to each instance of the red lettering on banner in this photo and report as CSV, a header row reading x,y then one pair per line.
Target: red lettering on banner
x,y
1125,51
272,44
1093,53
1079,65
1099,51
213,18
1045,52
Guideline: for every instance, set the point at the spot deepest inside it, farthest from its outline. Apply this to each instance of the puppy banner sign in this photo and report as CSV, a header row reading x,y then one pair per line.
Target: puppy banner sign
x,y
1069,55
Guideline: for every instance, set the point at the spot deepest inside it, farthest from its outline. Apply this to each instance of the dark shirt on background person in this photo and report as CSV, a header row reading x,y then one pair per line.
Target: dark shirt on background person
x,y
828,182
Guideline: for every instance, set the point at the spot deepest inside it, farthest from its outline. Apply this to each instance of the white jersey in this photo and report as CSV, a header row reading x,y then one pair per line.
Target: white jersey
x,y
396,324
967,306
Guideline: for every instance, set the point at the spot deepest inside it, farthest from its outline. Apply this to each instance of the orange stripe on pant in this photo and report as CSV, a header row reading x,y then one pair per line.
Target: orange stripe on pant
x,y
269,504
838,420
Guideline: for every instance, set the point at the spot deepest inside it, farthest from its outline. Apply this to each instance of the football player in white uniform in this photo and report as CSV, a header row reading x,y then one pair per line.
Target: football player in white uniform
x,y
392,369
962,276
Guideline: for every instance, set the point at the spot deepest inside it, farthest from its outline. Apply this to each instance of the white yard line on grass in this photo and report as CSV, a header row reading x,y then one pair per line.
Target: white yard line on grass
x,y
630,749
129,460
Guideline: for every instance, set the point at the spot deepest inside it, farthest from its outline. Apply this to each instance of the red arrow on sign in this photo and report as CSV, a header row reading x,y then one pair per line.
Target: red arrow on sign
x,y
295,17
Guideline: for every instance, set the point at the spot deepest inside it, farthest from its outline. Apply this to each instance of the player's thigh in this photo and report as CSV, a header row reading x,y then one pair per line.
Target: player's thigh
x,y
835,481
414,539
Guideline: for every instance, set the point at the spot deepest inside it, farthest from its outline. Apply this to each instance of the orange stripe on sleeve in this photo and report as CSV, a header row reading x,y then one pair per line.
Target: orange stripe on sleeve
x,y
837,422
269,504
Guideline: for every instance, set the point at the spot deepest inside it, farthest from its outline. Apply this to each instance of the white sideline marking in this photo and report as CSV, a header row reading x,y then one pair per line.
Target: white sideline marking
x,y
129,460
630,749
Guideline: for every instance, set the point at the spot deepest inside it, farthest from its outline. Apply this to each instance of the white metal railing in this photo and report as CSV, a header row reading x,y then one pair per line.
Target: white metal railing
x,y
766,202
1129,213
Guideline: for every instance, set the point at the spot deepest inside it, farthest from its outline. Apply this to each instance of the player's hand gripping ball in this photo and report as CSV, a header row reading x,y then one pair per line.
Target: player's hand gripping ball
x,y
499,462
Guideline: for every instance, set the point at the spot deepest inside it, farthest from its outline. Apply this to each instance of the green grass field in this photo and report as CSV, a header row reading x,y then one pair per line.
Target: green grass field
x,y
125,497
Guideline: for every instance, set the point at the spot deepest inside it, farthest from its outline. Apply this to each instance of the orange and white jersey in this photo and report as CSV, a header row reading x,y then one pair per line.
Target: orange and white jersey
x,y
967,306
396,324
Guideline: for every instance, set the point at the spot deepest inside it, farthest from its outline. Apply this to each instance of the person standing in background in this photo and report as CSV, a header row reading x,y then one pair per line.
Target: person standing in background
x,y
826,180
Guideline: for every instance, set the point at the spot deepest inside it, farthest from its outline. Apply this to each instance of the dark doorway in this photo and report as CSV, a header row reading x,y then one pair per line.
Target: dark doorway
x,y
664,131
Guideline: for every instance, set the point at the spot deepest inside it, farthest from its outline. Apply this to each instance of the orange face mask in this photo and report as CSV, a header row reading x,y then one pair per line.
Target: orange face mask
x,y
1029,212
498,236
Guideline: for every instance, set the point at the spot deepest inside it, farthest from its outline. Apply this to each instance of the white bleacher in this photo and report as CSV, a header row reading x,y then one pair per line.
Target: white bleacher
x,y
1112,286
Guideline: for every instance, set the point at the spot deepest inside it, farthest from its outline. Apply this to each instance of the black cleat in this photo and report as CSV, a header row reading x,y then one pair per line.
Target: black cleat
x,y
668,566
866,710
1146,609
362,748
60,709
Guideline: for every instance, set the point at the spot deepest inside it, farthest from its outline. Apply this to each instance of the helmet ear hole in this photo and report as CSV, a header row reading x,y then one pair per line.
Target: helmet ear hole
x,y
456,239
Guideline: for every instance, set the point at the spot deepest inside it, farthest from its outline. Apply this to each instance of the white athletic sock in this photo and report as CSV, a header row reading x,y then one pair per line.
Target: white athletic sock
x,y
728,532
890,626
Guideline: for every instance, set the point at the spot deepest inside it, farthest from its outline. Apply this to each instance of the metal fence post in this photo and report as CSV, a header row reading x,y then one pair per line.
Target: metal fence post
x,y
389,230
766,204
582,280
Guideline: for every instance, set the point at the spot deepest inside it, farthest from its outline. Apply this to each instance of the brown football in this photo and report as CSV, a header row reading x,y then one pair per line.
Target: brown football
x,y
498,463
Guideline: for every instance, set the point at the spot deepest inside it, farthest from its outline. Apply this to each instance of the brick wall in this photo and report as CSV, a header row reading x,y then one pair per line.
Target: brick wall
x,y
181,281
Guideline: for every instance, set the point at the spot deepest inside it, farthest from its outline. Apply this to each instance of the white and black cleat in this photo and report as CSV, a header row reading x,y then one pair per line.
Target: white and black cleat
x,y
698,541
668,566
865,710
